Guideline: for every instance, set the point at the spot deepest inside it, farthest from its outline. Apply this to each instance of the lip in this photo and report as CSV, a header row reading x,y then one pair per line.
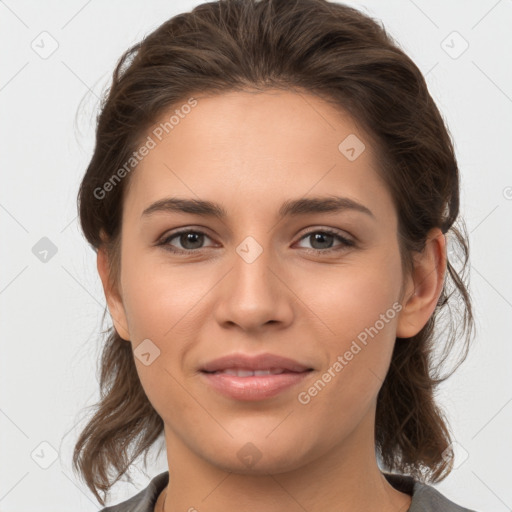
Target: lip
x,y
259,362
255,387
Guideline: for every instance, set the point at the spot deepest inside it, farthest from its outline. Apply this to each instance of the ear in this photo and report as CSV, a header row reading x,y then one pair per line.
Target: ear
x,y
114,301
424,286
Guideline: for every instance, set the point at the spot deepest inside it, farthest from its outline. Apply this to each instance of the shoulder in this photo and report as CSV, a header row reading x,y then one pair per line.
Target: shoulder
x,y
145,500
428,499
425,498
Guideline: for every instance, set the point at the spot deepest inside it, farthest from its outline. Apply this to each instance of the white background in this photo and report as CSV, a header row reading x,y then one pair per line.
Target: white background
x,y
51,312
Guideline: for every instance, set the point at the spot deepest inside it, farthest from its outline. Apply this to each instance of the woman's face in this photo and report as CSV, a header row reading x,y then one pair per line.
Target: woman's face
x,y
251,282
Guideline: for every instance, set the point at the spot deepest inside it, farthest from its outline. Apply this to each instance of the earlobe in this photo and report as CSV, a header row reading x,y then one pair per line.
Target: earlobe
x,y
424,286
114,302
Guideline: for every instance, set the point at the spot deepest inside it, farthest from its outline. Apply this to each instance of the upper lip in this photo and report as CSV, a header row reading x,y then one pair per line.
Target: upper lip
x,y
259,362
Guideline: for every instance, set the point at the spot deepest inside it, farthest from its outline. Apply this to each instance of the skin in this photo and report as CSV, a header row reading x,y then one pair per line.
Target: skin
x,y
250,152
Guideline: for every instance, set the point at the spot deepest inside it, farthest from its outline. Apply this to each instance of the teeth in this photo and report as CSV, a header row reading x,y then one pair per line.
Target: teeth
x,y
249,373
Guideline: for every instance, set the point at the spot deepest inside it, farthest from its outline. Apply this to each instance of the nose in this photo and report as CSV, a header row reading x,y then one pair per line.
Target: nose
x,y
255,294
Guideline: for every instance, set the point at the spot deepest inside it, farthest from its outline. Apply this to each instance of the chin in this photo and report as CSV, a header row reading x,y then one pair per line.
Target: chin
x,y
258,457
263,467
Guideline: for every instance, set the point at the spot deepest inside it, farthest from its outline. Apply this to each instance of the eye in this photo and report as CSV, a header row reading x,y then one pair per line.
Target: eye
x,y
189,239
325,237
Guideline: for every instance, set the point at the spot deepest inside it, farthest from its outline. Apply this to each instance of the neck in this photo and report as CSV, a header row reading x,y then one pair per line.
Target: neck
x,y
347,478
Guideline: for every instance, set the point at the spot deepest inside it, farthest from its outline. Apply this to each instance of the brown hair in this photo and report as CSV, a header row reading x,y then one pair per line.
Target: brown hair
x,y
347,58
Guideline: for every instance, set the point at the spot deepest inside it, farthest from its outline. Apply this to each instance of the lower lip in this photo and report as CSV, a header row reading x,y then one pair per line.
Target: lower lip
x,y
256,387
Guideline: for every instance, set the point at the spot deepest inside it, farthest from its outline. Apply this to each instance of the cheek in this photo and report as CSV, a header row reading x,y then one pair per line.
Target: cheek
x,y
163,305
351,297
160,300
358,311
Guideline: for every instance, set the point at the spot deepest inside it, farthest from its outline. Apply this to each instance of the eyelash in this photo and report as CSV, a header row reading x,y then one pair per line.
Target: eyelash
x,y
345,242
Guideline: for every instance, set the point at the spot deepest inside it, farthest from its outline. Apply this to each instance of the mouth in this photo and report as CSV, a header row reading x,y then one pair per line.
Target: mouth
x,y
246,378
245,372
251,363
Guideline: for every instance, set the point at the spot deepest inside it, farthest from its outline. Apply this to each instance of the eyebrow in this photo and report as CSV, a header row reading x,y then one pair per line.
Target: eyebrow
x,y
295,207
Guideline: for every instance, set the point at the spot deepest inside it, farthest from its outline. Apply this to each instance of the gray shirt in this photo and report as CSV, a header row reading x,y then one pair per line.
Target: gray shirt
x,y
424,497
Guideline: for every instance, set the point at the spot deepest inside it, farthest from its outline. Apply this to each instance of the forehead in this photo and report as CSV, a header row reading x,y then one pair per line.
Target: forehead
x,y
255,146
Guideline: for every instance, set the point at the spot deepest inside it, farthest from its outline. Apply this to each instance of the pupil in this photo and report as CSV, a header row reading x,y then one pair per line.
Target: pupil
x,y
320,237
187,238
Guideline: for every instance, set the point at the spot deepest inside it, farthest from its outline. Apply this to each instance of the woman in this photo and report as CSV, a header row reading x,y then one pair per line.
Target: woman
x,y
270,197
